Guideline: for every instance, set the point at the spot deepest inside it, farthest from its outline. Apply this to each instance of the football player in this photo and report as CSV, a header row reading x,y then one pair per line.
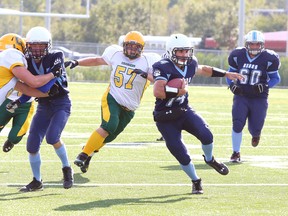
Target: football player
x,y
172,112
52,112
21,120
130,76
259,67
13,65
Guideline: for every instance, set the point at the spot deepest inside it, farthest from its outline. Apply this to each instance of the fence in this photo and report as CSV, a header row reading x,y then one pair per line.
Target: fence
x,y
217,58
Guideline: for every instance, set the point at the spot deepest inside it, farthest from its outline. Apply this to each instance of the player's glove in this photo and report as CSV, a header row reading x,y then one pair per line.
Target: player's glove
x,y
57,70
235,89
12,105
54,90
258,88
71,63
141,73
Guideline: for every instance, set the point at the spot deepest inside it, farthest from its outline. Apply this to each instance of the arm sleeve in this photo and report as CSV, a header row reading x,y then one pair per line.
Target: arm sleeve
x,y
24,98
45,88
274,79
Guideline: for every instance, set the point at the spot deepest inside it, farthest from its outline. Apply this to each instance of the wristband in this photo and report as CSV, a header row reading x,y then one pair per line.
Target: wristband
x,y
171,92
216,72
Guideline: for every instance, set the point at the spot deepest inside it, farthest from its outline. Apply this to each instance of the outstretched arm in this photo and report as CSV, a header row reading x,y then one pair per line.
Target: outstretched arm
x,y
90,61
209,71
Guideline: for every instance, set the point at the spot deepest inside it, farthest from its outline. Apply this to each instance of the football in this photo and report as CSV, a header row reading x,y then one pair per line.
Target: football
x,y
175,83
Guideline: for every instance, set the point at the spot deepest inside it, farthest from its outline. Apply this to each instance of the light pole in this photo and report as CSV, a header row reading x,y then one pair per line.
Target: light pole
x,y
48,11
241,22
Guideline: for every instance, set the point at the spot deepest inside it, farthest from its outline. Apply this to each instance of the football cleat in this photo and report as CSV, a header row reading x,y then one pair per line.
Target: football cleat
x,y
235,157
80,160
33,186
7,146
219,167
85,167
255,141
197,187
68,177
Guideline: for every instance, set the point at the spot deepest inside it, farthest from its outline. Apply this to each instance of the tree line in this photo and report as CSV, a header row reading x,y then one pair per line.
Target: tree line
x,y
111,18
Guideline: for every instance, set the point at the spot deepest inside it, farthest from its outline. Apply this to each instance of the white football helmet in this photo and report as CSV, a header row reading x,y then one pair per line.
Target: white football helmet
x,y
38,42
179,42
254,37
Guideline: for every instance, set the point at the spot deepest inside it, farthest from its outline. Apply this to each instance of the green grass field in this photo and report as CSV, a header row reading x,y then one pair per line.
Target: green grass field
x,y
135,175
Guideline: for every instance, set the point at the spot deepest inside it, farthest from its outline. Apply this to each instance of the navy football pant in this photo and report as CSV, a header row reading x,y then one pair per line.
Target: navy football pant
x,y
253,109
50,119
190,122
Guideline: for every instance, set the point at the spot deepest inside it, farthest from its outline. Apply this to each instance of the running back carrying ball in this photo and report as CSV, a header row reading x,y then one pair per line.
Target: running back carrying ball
x,y
172,87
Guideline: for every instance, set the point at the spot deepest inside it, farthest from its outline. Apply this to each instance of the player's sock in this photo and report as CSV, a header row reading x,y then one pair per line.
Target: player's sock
x,y
95,142
62,154
190,171
35,163
208,151
236,141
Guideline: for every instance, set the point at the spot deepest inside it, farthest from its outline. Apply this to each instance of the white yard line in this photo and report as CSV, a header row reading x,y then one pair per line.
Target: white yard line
x,y
148,185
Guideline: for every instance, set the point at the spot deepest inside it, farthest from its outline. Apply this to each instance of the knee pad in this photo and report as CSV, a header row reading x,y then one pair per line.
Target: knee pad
x,y
52,140
179,151
238,126
205,137
32,149
183,159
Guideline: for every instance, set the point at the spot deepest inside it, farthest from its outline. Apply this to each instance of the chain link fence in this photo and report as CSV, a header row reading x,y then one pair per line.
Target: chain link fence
x,y
216,58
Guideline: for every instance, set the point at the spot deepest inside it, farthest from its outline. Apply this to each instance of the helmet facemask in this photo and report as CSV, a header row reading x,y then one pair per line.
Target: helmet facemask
x,y
254,37
182,60
254,52
134,48
133,44
37,50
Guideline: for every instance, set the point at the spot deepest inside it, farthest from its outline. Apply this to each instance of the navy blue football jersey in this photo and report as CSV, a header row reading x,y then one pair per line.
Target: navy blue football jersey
x,y
165,69
48,61
255,70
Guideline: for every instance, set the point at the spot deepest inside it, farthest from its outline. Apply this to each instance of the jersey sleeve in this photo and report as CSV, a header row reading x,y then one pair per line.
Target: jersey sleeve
x,y
273,66
273,61
159,72
13,58
232,61
109,52
151,59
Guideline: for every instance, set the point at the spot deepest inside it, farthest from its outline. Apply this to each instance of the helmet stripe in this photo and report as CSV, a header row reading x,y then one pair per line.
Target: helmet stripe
x,y
254,36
